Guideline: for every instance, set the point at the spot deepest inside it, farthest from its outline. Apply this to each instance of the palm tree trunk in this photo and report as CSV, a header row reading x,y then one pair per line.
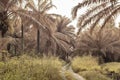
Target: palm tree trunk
x,y
22,38
15,50
38,41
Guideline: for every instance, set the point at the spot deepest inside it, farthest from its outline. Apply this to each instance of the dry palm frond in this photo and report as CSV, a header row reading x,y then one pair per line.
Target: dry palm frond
x,y
14,10
42,7
90,12
98,10
6,15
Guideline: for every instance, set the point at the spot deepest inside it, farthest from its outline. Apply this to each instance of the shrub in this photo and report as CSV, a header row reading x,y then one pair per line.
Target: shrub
x,y
85,63
27,68
111,67
93,75
112,70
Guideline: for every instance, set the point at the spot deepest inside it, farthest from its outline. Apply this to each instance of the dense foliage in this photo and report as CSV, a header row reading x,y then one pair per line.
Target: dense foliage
x,y
26,27
26,67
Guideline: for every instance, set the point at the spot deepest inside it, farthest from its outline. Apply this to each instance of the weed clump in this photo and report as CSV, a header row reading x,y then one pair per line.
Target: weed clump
x,y
28,68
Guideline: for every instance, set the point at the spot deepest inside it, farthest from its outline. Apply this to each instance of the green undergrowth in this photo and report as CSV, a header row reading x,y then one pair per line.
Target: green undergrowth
x,y
28,68
111,67
94,75
85,63
49,68
90,69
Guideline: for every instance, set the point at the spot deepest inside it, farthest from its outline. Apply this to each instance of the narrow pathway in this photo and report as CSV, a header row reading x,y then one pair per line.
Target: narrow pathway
x,y
67,67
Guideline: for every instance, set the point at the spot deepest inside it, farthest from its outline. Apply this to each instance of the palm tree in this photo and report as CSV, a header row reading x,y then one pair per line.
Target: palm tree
x,y
36,14
18,14
8,16
5,25
9,10
64,36
3,17
56,36
105,44
60,39
97,10
59,36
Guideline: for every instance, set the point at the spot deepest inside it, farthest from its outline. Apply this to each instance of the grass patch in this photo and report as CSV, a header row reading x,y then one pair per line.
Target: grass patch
x,y
88,67
111,67
93,75
85,63
28,68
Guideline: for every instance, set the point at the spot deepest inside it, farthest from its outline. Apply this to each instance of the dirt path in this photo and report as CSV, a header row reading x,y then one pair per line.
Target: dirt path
x,y
68,68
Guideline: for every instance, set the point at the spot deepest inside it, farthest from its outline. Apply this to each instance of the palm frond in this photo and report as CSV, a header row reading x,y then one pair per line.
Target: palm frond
x,y
30,17
98,10
113,12
31,6
93,17
91,12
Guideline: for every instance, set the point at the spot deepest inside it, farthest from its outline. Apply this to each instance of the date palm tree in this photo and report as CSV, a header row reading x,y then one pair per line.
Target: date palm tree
x,y
60,39
56,36
10,9
64,37
105,44
4,25
21,15
97,10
